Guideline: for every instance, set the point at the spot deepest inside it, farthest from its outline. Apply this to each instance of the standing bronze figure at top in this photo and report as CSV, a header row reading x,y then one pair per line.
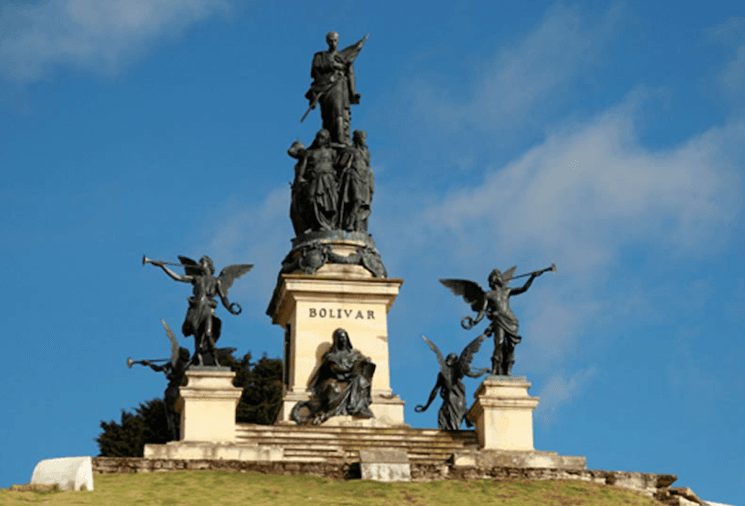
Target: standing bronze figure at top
x,y
495,304
201,320
334,88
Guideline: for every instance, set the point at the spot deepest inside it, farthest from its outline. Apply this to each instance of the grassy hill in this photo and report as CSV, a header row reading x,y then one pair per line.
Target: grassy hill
x,y
216,488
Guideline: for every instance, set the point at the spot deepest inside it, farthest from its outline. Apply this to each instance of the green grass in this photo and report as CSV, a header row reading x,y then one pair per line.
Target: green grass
x,y
216,488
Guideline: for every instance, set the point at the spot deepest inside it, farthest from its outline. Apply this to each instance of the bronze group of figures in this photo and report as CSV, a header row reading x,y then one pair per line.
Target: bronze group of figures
x,y
333,185
200,322
503,326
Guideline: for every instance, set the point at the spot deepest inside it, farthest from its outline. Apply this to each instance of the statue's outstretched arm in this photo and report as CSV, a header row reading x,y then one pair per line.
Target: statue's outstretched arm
x,y
438,385
173,275
524,288
159,368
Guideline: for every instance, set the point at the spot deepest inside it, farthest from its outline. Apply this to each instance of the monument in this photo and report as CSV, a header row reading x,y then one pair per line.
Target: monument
x,y
332,300
333,276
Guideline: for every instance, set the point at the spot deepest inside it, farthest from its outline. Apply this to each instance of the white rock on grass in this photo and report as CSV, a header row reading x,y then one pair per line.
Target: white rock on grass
x,y
69,473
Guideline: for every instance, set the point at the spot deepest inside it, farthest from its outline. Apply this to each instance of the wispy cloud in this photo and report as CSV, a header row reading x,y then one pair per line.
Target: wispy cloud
x,y
584,193
257,234
519,78
732,77
91,34
559,391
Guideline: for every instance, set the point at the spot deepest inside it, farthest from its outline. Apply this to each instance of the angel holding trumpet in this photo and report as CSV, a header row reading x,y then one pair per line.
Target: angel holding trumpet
x,y
495,304
201,320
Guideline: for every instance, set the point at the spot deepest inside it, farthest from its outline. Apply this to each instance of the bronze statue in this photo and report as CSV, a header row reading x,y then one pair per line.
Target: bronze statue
x,y
495,304
357,186
341,386
174,372
315,191
334,87
201,320
453,392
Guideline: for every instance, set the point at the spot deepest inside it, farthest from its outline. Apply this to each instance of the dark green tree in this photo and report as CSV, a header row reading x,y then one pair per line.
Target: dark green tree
x,y
260,403
128,438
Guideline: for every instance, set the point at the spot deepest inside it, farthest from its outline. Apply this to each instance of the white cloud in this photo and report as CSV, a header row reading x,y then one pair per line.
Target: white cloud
x,y
521,77
585,193
89,33
559,391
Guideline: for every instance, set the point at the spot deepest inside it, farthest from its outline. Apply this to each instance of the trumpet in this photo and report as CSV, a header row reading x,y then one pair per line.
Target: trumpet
x,y
146,260
130,362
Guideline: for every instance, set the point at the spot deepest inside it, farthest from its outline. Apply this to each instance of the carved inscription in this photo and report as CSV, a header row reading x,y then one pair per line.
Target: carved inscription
x,y
339,313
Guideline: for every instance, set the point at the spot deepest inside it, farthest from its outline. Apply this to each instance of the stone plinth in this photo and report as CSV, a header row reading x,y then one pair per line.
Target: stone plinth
x,y
311,307
207,405
503,413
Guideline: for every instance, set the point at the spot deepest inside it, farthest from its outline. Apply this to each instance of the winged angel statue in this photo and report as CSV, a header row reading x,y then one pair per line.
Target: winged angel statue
x,y
201,320
495,304
453,392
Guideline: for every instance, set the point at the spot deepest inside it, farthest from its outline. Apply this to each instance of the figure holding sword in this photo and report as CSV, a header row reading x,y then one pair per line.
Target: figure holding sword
x,y
495,304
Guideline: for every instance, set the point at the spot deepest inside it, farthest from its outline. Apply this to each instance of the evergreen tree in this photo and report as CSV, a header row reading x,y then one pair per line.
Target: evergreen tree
x,y
128,438
260,403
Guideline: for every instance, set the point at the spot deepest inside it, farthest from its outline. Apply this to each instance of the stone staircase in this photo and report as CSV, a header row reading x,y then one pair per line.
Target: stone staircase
x,y
342,444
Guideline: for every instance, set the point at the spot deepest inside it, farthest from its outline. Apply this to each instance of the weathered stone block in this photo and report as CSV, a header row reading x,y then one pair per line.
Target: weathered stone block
x,y
69,473
385,465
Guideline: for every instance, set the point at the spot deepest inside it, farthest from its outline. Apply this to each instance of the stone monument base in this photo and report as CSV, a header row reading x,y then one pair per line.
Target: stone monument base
x,y
503,413
207,405
388,411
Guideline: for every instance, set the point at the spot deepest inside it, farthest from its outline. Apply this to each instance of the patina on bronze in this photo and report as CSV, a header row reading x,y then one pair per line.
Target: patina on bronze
x,y
174,371
340,386
334,86
495,304
201,320
450,385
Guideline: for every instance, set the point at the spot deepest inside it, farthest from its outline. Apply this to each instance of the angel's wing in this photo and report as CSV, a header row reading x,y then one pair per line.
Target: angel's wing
x,y
230,274
190,266
469,290
434,348
466,356
174,344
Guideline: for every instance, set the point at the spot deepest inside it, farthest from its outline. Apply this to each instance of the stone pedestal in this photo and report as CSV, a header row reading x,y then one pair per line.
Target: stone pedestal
x,y
311,307
503,413
207,405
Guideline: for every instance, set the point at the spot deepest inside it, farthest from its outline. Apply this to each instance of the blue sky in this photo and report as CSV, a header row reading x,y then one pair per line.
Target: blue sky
x,y
607,139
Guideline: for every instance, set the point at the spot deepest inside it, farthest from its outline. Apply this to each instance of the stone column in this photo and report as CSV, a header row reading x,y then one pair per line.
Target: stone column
x,y
503,413
207,405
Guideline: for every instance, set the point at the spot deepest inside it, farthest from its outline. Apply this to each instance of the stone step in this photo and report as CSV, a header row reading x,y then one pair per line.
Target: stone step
x,y
411,435
283,441
342,444
353,430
